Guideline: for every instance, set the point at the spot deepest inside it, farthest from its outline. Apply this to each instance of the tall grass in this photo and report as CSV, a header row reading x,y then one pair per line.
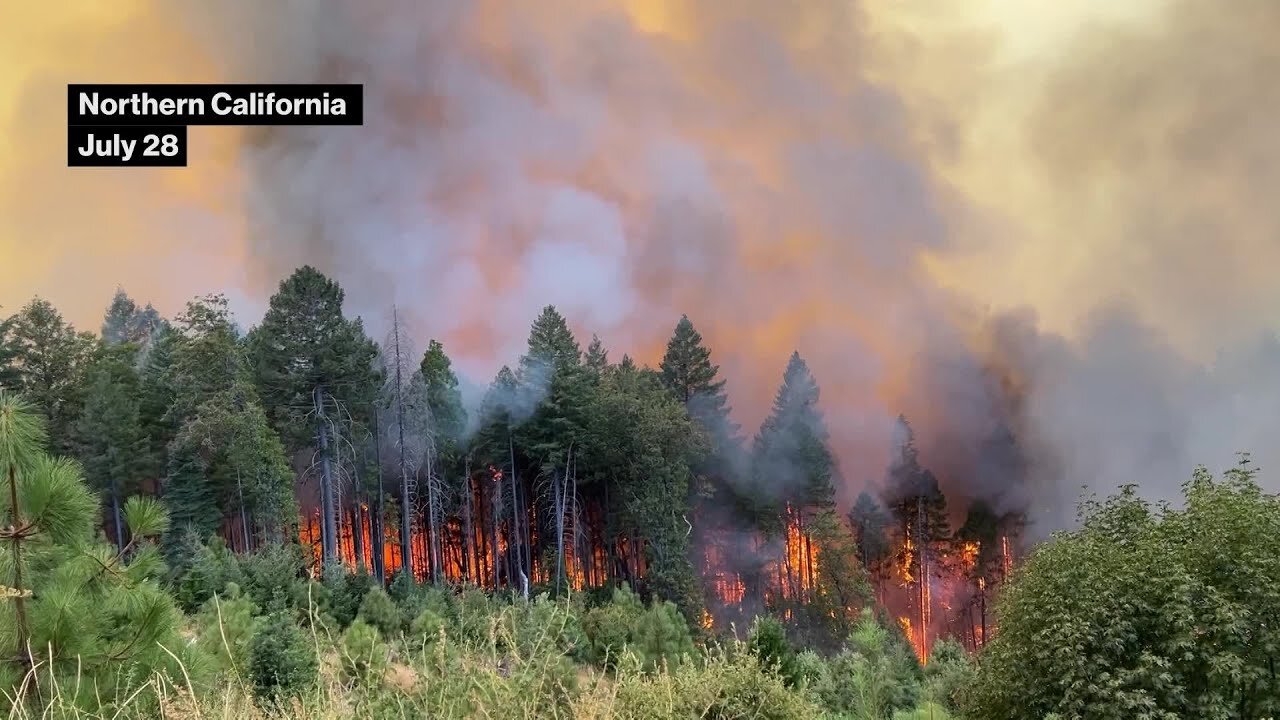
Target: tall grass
x,y
507,671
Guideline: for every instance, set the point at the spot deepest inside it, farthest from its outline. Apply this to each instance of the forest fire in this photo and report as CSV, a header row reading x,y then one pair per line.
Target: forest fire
x,y
959,581
482,562
941,591
497,519
787,571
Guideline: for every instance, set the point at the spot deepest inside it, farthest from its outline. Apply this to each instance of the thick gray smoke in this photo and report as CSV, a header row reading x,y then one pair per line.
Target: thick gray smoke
x,y
743,166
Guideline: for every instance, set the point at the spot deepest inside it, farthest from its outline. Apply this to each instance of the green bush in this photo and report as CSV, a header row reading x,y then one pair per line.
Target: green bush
x,y
274,577
655,635
380,611
949,671
723,686
475,617
873,676
546,626
403,587
927,711
426,627
768,641
345,592
412,598
811,669
364,655
225,627
282,660
210,568
662,636
608,626
1145,610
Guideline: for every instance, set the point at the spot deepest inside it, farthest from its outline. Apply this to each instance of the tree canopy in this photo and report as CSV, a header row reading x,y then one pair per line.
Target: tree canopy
x,y
1145,611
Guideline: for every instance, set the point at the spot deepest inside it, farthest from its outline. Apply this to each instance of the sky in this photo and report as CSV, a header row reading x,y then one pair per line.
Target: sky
x,y
919,196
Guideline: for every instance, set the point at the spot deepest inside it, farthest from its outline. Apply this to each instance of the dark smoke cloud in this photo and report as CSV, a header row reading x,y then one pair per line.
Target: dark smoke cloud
x,y
747,170
758,166
751,178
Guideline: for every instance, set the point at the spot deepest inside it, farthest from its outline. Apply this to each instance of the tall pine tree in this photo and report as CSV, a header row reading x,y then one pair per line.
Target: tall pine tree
x,y
204,358
51,359
687,371
110,435
494,442
156,396
448,417
224,463
643,443
551,371
792,463
919,509
314,370
870,526
793,467
446,424
553,382
596,358
125,322
693,380
914,499
228,465
10,377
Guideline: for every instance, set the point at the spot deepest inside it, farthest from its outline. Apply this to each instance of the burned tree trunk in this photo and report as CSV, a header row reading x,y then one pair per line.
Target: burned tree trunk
x,y
327,504
377,536
469,550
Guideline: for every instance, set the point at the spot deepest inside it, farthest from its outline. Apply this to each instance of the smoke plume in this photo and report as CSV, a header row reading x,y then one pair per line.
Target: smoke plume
x,y
1066,237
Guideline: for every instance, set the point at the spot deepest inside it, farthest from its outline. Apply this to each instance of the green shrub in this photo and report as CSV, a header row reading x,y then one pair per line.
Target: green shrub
x,y
345,593
274,577
723,686
225,628
873,676
655,635
1145,610
608,626
811,669
380,611
282,660
426,627
412,598
210,568
949,671
662,636
768,641
403,587
927,711
546,626
475,616
364,655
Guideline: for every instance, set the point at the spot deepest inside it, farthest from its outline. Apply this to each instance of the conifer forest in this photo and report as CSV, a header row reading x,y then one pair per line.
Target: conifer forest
x,y
187,497
639,360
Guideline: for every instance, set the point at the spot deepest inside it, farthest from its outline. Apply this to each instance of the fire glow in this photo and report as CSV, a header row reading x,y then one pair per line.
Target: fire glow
x,y
785,573
954,583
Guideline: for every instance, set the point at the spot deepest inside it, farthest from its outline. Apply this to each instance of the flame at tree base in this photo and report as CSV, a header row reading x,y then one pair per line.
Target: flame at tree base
x,y
743,573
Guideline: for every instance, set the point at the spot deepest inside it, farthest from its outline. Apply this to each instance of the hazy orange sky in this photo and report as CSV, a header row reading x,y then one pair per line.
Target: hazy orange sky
x,y
867,182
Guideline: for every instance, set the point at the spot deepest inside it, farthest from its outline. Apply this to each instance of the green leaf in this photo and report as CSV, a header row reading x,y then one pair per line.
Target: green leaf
x,y
55,499
145,517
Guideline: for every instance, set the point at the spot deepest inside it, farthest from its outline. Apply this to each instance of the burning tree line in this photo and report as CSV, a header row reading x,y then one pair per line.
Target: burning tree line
x,y
573,472
936,581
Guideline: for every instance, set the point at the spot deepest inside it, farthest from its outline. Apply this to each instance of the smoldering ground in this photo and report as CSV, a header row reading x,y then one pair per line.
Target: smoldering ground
x,y
779,172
